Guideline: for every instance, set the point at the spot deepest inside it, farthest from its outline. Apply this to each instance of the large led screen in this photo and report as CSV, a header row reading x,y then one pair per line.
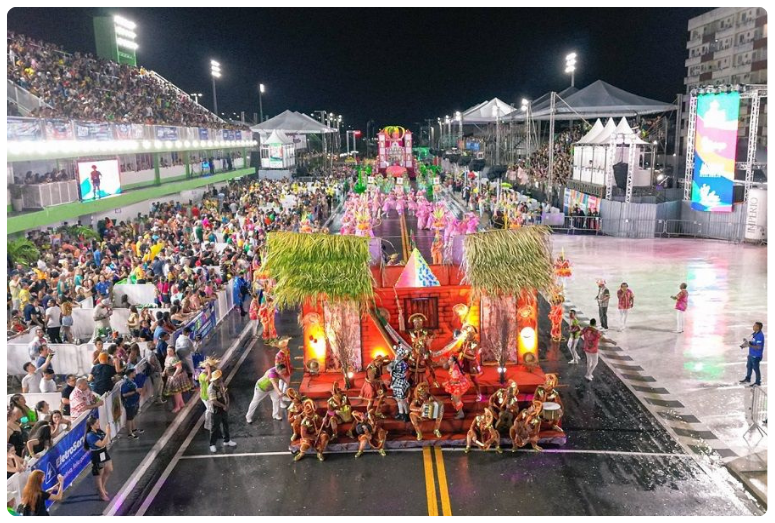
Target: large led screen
x,y
99,179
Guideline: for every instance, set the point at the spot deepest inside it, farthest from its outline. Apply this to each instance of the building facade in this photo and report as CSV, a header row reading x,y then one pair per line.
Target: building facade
x,y
728,46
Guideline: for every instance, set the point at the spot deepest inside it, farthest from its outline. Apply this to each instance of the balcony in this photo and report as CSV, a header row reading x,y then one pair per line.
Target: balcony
x,y
693,60
744,47
694,43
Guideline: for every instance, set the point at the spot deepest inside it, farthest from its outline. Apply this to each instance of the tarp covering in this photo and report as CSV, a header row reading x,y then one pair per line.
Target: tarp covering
x,y
277,138
590,136
487,112
599,100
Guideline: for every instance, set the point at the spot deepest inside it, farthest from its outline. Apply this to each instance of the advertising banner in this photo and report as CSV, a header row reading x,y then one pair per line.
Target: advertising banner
x,y
204,134
93,131
584,201
57,129
228,134
22,129
715,147
472,146
238,135
127,131
67,458
166,133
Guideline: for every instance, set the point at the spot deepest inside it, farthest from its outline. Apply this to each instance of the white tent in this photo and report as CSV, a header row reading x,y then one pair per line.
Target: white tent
x,y
596,153
590,136
488,112
277,151
598,100
291,122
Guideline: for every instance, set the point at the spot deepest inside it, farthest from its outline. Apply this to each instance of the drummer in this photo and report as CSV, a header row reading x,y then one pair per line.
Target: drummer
x,y
504,404
552,403
418,410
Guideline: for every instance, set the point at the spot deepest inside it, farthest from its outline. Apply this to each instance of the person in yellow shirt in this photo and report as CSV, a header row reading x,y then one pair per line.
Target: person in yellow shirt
x,y
24,295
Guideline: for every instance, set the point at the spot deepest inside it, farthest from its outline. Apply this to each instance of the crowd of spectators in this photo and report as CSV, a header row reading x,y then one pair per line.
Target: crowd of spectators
x,y
538,165
82,87
187,251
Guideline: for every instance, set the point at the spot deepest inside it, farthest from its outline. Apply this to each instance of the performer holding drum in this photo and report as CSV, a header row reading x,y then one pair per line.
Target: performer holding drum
x,y
339,411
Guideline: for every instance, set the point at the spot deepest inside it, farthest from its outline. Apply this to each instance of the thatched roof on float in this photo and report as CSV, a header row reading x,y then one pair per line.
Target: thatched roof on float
x,y
504,262
316,267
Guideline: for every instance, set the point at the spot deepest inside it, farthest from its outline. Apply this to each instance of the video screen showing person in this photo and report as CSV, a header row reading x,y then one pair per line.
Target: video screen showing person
x,y
99,179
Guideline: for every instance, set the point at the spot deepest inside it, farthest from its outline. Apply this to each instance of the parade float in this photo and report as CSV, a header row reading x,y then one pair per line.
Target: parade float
x,y
473,323
394,152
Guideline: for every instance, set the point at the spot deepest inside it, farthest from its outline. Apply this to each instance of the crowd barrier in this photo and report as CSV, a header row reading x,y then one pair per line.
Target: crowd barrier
x,y
137,293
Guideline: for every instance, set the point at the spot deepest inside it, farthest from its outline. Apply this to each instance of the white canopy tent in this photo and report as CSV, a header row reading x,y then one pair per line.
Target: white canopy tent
x,y
598,100
277,151
490,111
595,154
291,122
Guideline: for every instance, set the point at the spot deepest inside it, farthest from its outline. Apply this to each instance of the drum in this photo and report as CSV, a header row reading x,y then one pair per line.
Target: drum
x,y
431,410
551,411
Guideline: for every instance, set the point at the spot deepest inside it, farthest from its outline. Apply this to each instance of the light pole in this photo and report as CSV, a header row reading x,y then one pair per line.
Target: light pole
x,y
448,121
441,133
570,67
196,97
526,109
215,72
459,120
496,115
260,104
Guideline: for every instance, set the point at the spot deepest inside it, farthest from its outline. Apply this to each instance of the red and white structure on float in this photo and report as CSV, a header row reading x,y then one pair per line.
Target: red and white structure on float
x,y
395,152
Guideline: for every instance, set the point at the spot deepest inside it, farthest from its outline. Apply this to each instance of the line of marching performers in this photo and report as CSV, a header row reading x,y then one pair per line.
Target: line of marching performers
x,y
411,376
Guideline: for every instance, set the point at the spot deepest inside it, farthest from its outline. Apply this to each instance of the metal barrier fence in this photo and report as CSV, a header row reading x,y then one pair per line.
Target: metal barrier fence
x,y
589,225
757,411
694,229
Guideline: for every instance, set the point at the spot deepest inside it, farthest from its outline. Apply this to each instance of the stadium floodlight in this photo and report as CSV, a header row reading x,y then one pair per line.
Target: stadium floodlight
x,y
120,21
215,72
570,67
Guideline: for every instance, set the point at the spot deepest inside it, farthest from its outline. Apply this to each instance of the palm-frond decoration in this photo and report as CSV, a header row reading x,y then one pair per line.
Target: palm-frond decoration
x,y
318,267
22,250
504,262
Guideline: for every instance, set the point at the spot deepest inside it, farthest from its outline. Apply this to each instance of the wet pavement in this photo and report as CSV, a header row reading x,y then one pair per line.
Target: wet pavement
x,y
693,375
619,460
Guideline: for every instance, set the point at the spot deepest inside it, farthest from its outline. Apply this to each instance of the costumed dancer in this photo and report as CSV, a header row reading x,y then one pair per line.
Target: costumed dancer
x,y
421,356
457,385
400,204
390,202
399,382
472,223
469,357
437,249
418,411
369,431
482,433
312,430
283,357
555,313
373,384
549,393
504,404
574,333
266,312
411,203
527,426
339,411
295,412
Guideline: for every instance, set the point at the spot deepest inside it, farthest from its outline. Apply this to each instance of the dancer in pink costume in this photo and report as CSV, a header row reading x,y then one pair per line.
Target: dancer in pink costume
x,y
472,223
423,210
390,203
412,204
400,204
451,229
376,205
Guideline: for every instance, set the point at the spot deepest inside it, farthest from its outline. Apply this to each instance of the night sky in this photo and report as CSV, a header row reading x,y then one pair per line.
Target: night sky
x,y
395,66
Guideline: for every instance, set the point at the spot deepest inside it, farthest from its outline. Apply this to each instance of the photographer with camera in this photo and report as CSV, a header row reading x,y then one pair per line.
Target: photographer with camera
x,y
755,347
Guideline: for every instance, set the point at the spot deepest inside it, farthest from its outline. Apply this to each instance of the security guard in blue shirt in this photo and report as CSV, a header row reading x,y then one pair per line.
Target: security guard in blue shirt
x,y
755,351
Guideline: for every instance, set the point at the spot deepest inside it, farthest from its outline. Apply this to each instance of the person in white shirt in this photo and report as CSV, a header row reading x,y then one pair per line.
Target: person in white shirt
x,y
53,321
31,381
48,384
33,347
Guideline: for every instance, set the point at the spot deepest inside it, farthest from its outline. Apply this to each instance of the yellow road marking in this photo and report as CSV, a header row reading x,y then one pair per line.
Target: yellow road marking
x,y
430,485
446,508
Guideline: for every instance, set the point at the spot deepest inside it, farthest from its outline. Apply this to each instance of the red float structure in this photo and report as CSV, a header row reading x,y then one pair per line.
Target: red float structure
x,y
394,152
344,341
